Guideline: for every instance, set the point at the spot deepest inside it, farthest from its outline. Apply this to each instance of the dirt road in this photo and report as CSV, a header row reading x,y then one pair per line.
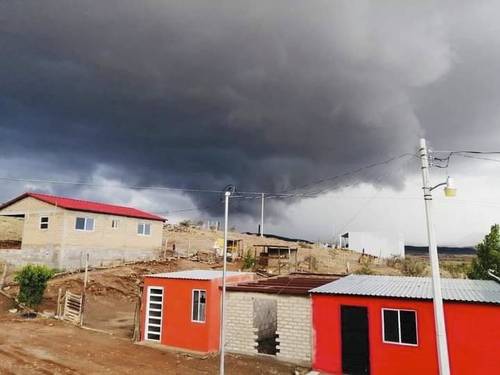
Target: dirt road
x,y
50,347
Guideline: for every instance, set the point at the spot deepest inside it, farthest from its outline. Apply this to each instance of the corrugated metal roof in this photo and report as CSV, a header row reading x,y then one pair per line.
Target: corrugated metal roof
x,y
195,274
485,291
87,206
295,284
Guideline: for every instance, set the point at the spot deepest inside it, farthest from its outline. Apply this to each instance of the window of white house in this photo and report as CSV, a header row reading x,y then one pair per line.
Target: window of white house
x,y
400,326
44,222
84,223
143,229
114,223
198,307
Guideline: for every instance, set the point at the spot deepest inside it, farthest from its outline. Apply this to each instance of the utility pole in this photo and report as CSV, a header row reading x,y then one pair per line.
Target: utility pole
x,y
223,302
442,345
262,215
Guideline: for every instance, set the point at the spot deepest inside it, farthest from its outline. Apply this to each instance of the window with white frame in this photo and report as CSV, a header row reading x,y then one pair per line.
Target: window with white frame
x,y
44,222
84,223
199,306
114,223
400,326
143,229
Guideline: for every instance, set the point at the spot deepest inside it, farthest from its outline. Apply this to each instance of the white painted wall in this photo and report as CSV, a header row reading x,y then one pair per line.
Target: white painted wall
x,y
379,244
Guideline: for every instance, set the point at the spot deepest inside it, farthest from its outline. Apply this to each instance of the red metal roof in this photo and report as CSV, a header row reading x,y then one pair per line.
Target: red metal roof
x,y
294,283
87,206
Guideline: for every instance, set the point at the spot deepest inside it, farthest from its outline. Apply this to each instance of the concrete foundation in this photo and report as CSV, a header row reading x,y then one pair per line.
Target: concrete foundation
x,y
74,258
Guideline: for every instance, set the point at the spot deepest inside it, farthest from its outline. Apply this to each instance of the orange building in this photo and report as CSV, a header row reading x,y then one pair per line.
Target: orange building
x,y
182,309
385,325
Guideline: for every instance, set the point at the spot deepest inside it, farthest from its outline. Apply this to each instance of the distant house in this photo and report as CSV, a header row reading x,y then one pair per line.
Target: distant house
x,y
181,309
60,232
385,325
379,244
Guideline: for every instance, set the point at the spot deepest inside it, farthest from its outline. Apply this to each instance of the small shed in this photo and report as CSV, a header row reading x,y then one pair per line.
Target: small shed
x,y
182,309
283,258
385,325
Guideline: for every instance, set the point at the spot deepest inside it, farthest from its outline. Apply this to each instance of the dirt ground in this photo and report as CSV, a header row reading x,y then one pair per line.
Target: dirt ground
x,y
112,293
43,346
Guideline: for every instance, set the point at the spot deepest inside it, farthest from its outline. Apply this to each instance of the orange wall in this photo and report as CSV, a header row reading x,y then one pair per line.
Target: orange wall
x,y
177,328
473,335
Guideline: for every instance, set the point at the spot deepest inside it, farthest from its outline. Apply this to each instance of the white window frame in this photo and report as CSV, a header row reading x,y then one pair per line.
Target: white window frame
x,y
192,306
48,222
399,327
148,309
143,233
86,218
115,223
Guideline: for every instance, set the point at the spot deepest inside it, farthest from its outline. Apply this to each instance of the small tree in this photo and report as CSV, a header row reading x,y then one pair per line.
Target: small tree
x,y
32,281
488,255
248,260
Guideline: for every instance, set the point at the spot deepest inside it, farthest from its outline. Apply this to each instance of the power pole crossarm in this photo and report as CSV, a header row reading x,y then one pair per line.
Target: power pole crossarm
x,y
441,341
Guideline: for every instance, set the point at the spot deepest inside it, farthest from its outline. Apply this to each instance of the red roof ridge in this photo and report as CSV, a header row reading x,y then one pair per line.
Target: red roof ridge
x,y
87,206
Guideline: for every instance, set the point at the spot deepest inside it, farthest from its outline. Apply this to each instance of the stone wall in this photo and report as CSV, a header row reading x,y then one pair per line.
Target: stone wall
x,y
293,325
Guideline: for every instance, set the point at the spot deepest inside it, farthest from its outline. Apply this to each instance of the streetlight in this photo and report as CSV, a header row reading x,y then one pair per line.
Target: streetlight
x,y
450,191
227,193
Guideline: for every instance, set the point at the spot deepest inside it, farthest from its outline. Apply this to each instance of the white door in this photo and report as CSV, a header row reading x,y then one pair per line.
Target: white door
x,y
154,313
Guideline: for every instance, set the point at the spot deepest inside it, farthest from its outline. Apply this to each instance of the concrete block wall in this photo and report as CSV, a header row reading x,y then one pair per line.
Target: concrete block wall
x,y
240,332
293,325
294,329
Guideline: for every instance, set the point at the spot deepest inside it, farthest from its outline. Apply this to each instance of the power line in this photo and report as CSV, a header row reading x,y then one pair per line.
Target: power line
x,y
348,173
241,194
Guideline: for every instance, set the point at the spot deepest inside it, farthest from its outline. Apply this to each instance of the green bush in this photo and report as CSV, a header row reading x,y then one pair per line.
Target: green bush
x,y
248,261
488,256
32,281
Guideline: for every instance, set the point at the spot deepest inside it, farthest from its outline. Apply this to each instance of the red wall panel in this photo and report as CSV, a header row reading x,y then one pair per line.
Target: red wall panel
x,y
473,335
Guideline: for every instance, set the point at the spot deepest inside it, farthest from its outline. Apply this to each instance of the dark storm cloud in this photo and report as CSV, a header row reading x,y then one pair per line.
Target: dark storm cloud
x,y
265,95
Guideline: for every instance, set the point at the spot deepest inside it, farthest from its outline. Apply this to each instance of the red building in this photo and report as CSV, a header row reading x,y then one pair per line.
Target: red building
x,y
385,325
182,309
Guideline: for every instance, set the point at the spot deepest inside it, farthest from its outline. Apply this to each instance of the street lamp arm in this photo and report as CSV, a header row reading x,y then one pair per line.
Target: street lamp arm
x,y
492,274
438,185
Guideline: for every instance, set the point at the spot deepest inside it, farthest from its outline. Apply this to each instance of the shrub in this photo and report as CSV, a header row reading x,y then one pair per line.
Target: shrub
x,y
186,223
248,261
456,270
413,267
32,281
365,269
394,262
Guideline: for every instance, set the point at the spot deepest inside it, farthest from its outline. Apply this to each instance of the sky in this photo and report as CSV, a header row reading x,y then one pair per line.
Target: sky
x,y
267,96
